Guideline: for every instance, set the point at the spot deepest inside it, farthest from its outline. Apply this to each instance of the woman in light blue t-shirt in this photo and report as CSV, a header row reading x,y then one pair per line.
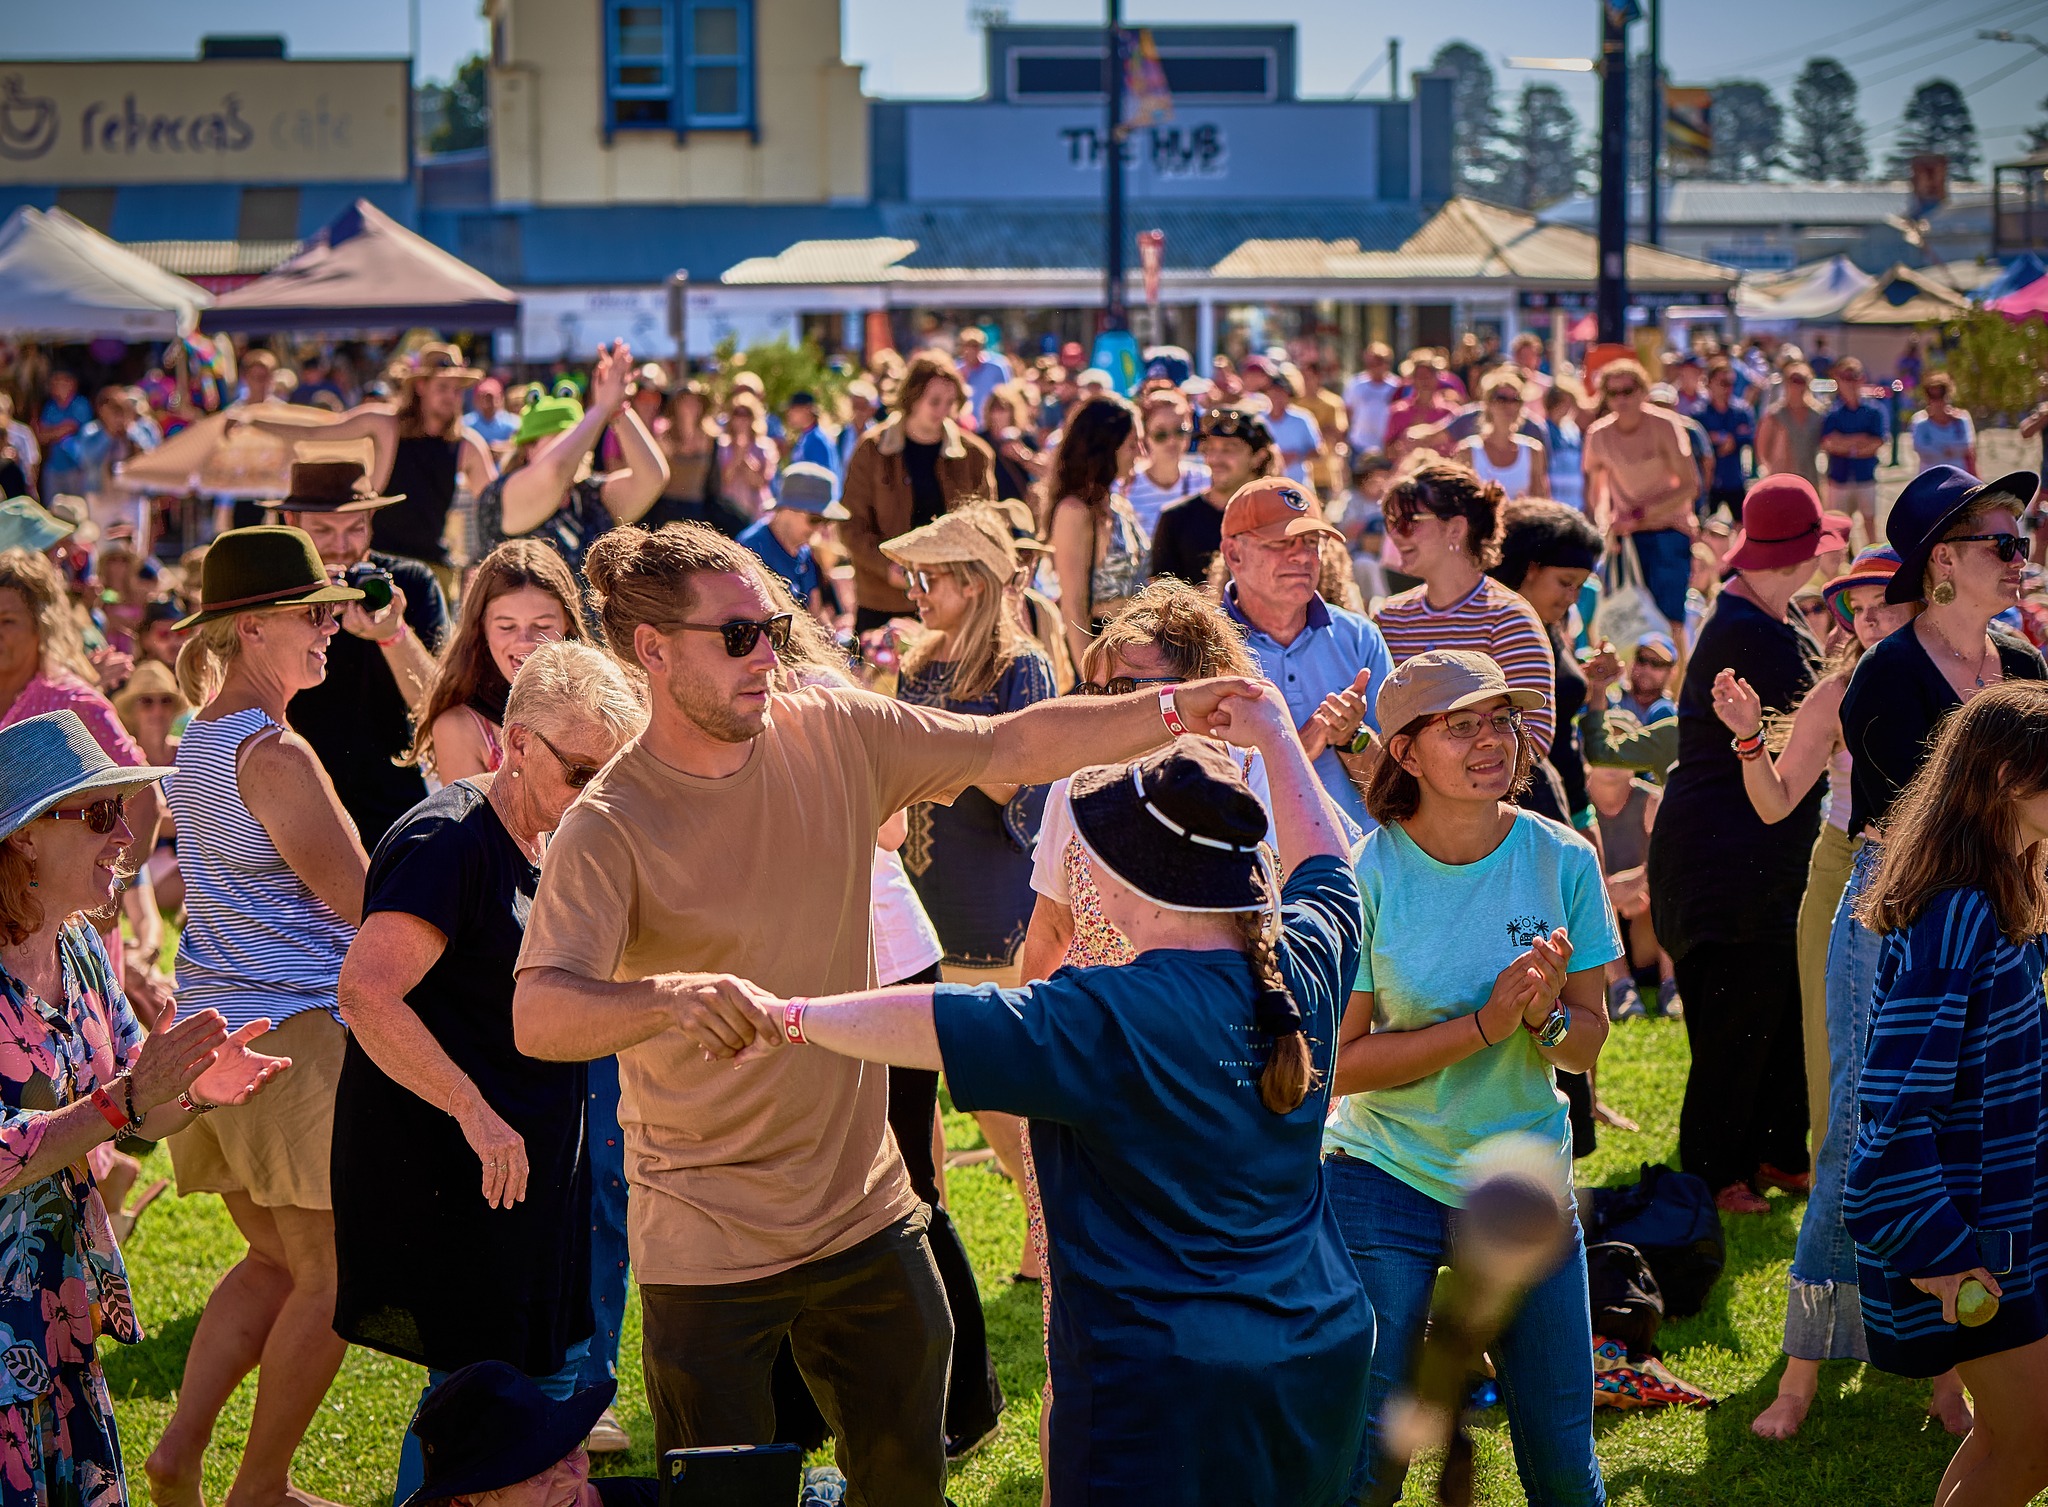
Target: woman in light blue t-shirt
x,y
1487,930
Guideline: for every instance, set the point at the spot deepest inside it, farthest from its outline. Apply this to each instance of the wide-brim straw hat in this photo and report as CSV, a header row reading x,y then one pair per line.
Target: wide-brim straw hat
x,y
951,539
262,567
47,759
440,360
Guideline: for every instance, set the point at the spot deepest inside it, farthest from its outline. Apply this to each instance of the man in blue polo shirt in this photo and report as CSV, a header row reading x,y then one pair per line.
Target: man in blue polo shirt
x,y
1731,429
1851,435
1312,651
783,538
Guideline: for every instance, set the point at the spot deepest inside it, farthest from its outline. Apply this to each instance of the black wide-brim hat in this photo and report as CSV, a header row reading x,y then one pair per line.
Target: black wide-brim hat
x,y
1929,507
265,566
1180,826
487,1426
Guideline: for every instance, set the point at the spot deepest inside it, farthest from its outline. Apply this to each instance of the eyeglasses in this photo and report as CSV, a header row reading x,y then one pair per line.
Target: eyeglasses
x,y
1122,685
100,818
741,635
1166,436
2009,546
320,614
1465,726
574,774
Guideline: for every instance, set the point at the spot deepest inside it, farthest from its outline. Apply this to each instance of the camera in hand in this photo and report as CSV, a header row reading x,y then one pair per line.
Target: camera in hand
x,y
373,581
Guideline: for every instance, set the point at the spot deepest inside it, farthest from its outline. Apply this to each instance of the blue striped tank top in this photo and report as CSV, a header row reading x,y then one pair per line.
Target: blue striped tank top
x,y
257,941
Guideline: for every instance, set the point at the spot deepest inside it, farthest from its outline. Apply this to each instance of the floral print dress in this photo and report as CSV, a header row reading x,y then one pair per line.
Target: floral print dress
x,y
62,1284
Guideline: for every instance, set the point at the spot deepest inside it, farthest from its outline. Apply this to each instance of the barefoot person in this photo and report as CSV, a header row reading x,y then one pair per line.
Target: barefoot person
x,y
1945,1186
1176,1106
774,1202
78,1074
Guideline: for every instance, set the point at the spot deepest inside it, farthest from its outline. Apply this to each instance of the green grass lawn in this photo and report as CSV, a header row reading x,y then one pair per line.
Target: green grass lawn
x,y
1867,1442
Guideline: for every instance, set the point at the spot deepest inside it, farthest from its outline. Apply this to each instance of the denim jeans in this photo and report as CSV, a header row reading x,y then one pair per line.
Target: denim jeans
x,y
607,1150
1823,1306
1544,1358
563,1384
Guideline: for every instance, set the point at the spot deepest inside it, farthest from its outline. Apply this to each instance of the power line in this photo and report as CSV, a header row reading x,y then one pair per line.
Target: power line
x,y
1921,64
1947,28
1998,73
1863,30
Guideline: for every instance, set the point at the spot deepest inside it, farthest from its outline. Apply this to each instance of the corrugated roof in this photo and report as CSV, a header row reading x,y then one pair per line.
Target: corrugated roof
x,y
1283,261
861,261
215,258
978,236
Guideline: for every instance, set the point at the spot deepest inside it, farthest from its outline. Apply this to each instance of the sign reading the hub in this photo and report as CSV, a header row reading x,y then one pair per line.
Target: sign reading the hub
x,y
1170,151
204,122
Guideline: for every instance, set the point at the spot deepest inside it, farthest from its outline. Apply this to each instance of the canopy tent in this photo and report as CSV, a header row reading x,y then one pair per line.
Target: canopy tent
x,y
1814,294
2022,270
365,271
61,280
1906,295
211,458
2030,302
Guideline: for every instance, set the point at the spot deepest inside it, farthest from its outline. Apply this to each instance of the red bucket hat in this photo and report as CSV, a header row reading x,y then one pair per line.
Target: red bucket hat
x,y
1782,524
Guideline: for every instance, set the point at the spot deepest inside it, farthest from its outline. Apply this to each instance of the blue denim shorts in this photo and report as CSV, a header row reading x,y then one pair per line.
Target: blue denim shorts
x,y
1666,557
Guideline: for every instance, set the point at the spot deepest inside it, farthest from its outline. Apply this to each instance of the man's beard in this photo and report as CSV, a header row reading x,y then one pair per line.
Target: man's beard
x,y
714,716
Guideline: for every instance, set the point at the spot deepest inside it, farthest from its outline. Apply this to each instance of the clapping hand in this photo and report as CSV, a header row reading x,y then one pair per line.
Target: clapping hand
x,y
608,378
175,1054
1603,671
1737,704
237,1074
1337,721
1552,956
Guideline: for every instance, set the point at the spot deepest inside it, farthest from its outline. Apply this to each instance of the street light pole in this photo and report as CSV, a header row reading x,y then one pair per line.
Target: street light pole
x,y
1612,298
1114,316
1653,193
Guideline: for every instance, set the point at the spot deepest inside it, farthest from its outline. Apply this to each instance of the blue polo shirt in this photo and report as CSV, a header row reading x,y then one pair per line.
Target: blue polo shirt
x,y
1865,418
1739,424
1325,656
799,570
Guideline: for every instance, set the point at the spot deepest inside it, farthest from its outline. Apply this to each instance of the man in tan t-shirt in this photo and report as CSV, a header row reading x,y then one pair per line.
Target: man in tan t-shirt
x,y
734,837
1641,482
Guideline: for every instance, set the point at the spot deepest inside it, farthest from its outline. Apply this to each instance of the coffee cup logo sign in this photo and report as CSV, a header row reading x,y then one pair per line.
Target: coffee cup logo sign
x,y
203,122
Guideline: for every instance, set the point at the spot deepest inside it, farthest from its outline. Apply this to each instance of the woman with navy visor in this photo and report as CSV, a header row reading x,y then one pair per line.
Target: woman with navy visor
x,y
1210,1341
1452,1040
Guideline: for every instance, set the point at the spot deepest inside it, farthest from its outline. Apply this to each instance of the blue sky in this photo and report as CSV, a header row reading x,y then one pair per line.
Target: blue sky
x,y
932,47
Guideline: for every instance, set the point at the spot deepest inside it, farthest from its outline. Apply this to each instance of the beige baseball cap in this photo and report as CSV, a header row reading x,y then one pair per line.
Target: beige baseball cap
x,y
1445,680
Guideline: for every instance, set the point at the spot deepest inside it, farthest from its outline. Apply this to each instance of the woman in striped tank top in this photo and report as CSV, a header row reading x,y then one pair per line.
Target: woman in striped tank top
x,y
273,891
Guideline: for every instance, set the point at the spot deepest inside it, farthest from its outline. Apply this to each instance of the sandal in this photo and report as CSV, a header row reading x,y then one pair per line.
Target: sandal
x,y
1741,1198
123,1223
1797,1183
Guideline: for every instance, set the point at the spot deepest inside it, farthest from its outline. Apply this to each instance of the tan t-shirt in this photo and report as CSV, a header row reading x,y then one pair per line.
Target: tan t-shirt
x,y
739,1172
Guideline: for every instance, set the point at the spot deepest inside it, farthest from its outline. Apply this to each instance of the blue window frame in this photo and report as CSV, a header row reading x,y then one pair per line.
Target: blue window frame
x,y
679,65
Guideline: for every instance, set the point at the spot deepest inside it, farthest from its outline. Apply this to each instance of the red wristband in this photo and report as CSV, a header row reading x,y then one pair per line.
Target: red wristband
x,y
109,1110
403,629
1168,714
793,1021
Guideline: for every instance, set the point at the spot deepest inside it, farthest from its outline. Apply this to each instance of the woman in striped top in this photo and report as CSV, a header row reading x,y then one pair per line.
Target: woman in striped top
x,y
1946,1181
1447,524
273,890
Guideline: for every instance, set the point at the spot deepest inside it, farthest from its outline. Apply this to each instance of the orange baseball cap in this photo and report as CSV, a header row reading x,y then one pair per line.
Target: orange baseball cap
x,y
1276,507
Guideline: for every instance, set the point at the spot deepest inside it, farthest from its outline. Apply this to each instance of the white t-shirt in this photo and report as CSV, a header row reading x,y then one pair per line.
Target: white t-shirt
x,y
1368,399
1148,499
906,942
1295,433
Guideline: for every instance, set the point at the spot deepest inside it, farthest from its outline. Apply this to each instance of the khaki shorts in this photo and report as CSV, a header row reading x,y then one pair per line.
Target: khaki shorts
x,y
274,1148
1853,497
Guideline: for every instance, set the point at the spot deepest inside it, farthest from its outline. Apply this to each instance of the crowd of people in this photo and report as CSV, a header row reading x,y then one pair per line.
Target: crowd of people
x,y
563,816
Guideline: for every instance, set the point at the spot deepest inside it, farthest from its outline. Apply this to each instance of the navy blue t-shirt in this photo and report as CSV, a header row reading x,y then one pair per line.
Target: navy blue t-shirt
x,y
799,571
1210,1339
1736,422
1865,418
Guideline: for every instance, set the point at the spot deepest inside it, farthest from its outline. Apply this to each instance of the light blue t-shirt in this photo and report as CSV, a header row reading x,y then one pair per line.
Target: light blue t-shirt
x,y
1436,937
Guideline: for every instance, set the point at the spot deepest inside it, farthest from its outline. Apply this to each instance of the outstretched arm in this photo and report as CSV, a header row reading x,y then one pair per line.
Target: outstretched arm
x,y
628,494
1051,739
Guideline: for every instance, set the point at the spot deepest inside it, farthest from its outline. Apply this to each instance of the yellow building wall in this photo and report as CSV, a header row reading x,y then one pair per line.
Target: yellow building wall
x,y
548,109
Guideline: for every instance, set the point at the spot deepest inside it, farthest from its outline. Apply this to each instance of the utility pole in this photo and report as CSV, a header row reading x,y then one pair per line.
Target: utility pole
x,y
1653,192
1393,68
1114,316
1612,300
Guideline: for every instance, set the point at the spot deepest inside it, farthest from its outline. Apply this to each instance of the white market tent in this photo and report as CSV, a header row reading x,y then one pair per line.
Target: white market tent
x,y
1814,294
62,281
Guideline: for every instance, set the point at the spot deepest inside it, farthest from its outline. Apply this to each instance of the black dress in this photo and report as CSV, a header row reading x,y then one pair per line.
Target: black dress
x,y
1725,887
428,1271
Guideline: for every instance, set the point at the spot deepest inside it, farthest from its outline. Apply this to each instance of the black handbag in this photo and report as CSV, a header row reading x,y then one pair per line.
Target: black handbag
x,y
1670,1217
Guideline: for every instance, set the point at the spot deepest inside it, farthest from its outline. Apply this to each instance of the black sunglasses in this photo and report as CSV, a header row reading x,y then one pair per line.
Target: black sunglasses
x,y
2009,546
741,635
1161,436
100,818
574,774
1121,685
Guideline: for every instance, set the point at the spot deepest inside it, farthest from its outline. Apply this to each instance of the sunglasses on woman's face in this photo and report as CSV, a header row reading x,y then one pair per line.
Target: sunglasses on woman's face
x,y
574,773
1122,685
2009,546
320,614
925,580
1629,390
1168,436
741,634
100,818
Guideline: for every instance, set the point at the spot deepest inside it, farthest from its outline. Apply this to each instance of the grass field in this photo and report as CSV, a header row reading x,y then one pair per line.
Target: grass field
x,y
1867,1442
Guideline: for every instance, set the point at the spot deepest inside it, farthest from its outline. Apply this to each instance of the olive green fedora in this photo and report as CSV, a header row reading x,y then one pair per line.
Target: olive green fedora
x,y
265,566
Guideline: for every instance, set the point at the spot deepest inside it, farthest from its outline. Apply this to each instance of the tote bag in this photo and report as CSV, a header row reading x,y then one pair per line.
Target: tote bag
x,y
1626,612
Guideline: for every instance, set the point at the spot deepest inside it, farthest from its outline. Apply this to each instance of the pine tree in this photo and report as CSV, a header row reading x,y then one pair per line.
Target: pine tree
x,y
463,115
1749,131
1829,139
1543,161
1476,155
1937,120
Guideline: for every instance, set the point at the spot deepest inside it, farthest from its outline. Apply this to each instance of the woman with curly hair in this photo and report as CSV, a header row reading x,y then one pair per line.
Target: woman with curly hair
x,y
1100,550
522,596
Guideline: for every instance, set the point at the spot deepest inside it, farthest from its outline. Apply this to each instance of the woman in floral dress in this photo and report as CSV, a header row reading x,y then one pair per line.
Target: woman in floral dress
x,y
76,1072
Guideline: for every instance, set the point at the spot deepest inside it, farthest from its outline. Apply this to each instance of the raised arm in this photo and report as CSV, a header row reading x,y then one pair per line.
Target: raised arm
x,y
628,494
286,789
1777,786
1052,739
531,494
1304,820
